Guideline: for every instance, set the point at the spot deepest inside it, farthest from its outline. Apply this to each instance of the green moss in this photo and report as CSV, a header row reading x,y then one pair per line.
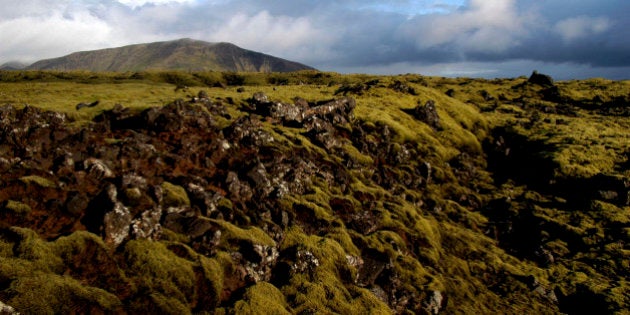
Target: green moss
x,y
42,293
30,246
38,181
356,156
17,207
157,269
166,304
225,204
67,246
253,235
213,274
262,298
170,236
174,195
328,293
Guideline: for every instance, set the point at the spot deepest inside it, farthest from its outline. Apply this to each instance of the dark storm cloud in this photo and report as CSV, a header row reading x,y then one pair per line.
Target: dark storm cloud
x,y
479,37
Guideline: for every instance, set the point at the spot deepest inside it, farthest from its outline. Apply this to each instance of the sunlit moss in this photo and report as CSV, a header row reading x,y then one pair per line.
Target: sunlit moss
x,y
262,298
38,181
174,195
253,235
41,293
17,207
156,268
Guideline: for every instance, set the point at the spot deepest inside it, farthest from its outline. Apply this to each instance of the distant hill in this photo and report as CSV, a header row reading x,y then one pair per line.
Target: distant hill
x,y
183,54
13,65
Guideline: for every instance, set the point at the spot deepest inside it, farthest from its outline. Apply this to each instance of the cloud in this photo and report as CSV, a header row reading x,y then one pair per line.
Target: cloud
x,y
484,26
360,35
581,26
51,35
281,35
139,3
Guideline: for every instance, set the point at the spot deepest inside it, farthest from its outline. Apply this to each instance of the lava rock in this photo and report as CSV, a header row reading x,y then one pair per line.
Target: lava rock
x,y
540,79
428,114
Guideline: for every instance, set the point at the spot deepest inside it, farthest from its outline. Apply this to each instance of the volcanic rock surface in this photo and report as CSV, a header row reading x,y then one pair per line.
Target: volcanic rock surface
x,y
286,207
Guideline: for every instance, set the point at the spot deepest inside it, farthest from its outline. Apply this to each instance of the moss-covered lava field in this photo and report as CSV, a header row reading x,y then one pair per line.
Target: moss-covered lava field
x,y
312,193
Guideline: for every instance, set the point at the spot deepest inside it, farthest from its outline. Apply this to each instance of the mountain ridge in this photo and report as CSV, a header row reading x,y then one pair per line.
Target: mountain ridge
x,y
183,54
13,65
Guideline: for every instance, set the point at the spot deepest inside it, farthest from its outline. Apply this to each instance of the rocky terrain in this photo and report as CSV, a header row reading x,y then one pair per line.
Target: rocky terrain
x,y
210,204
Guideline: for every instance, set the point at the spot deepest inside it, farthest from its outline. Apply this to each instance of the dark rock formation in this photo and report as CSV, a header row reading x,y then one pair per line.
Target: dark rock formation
x,y
540,79
428,114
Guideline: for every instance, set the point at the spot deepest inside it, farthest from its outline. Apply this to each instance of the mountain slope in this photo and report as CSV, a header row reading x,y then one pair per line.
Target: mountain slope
x,y
183,54
13,65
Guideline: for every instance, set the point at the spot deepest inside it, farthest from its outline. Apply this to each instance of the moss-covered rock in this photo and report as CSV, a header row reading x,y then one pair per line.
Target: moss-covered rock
x,y
174,196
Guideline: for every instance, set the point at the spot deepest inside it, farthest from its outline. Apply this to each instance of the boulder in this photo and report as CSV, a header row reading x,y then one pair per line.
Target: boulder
x,y
540,79
433,303
108,217
7,310
428,114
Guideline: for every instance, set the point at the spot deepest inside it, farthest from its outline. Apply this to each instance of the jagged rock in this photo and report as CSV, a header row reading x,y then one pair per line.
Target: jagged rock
x,y
428,114
425,171
305,262
108,217
486,95
338,111
239,190
132,180
259,260
63,164
433,303
291,114
204,200
260,98
374,263
553,94
147,226
538,288
203,95
403,88
544,256
356,262
364,222
258,174
357,88
82,105
540,79
7,310
247,131
117,220
97,169
76,203
294,261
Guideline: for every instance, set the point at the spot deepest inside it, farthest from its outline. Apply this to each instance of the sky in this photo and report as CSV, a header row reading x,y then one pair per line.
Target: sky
x,y
572,39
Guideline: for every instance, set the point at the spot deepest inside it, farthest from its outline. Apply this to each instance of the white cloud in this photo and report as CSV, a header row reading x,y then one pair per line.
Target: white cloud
x,y
582,26
138,3
278,35
485,26
52,35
